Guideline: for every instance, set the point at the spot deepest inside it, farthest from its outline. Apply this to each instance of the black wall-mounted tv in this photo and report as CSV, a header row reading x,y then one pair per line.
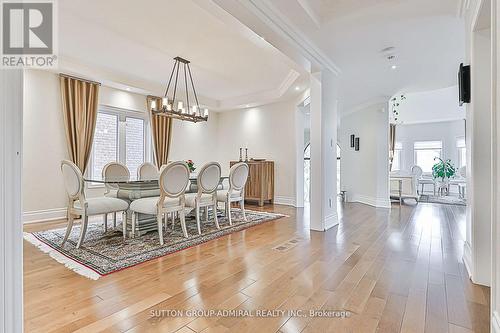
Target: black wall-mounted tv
x,y
464,84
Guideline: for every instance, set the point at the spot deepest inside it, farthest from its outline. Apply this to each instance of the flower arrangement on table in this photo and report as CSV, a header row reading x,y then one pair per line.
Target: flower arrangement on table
x,y
190,164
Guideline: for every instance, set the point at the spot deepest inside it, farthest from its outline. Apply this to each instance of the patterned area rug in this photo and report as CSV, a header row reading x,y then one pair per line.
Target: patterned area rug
x,y
447,199
106,253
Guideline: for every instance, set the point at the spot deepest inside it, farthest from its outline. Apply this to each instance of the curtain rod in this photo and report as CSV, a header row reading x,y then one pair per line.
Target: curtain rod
x,y
79,78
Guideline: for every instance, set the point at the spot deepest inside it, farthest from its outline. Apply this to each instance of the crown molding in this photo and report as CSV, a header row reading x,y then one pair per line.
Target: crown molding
x,y
281,25
311,13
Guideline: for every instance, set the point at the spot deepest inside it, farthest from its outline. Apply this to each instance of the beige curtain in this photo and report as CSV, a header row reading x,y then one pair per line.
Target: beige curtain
x,y
79,105
392,143
161,130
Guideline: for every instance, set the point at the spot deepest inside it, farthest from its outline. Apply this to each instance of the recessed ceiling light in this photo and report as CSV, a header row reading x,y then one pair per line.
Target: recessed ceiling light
x,y
247,106
394,66
297,88
127,89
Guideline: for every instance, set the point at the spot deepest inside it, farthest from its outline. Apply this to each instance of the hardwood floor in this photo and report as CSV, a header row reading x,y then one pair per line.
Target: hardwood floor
x,y
393,271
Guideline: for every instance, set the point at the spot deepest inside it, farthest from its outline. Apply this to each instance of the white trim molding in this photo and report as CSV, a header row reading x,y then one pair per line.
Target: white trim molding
x,y
281,25
371,201
51,214
495,322
11,237
284,200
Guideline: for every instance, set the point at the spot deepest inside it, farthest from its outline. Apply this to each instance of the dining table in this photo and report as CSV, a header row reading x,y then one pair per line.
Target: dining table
x,y
131,190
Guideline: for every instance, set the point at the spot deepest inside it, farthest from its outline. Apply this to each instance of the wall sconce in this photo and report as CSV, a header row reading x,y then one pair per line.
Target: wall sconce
x,y
352,140
356,144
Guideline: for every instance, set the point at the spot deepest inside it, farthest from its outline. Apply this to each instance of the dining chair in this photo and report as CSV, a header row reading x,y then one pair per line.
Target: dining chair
x,y
238,175
208,180
173,181
113,171
148,171
80,205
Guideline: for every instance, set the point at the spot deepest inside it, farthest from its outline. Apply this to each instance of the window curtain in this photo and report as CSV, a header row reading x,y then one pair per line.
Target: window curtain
x,y
79,106
392,143
161,130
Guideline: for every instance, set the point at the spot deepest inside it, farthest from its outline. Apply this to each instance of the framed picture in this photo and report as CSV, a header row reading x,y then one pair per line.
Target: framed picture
x,y
356,144
352,140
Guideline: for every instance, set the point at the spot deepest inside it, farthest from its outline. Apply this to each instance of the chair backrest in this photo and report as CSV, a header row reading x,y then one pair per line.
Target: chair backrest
x,y
114,171
463,172
73,180
174,179
148,171
416,171
238,175
209,178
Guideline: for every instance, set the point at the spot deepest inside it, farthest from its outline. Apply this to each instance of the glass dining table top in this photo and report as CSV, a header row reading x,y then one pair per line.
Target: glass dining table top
x,y
137,184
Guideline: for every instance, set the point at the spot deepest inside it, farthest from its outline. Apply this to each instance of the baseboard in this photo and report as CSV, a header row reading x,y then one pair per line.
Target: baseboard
x,y
371,201
495,322
331,221
282,200
44,215
467,259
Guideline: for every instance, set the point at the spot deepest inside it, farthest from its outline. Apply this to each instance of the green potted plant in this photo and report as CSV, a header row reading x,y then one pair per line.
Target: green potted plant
x,y
442,171
190,164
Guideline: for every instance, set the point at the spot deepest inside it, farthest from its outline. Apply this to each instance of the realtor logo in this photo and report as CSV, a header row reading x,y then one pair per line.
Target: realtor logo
x,y
28,34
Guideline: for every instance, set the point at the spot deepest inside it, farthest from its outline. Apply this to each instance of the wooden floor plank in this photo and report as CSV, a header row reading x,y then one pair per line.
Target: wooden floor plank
x,y
396,270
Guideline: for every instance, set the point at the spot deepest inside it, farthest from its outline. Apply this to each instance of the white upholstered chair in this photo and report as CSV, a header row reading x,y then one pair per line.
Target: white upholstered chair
x,y
148,171
173,181
79,205
238,175
421,181
207,181
113,171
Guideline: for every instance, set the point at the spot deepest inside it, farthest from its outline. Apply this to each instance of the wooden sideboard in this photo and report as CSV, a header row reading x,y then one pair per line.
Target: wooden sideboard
x,y
260,183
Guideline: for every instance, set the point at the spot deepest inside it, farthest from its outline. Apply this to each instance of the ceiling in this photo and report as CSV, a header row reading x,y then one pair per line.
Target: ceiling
x,y
131,46
428,38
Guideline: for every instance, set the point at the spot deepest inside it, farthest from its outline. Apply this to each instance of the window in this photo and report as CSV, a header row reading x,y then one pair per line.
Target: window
x,y
425,153
396,160
462,152
105,146
122,136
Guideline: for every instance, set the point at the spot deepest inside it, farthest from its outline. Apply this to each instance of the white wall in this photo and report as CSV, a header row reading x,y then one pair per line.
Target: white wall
x,y
447,132
431,106
365,173
267,130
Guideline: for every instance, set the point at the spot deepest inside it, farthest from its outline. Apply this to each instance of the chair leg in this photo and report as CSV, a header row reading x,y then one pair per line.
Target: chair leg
x,y
114,220
242,206
206,213
134,220
159,219
183,223
197,213
173,220
228,211
105,222
225,208
68,228
124,225
216,220
83,231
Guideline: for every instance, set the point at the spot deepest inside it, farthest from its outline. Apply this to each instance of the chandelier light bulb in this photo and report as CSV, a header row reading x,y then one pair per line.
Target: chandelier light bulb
x,y
195,110
179,107
153,105
205,113
164,102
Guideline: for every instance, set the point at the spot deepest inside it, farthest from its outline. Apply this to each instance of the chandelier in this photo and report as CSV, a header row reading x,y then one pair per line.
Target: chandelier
x,y
173,108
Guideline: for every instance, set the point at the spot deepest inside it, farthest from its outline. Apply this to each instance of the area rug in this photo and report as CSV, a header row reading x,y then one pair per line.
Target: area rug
x,y
447,199
106,253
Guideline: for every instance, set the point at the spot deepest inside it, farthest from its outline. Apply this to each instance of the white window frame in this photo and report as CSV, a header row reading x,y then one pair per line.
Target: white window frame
x,y
459,147
398,147
420,149
122,115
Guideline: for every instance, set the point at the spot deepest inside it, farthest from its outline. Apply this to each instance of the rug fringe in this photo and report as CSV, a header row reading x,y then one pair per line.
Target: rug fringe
x,y
62,259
